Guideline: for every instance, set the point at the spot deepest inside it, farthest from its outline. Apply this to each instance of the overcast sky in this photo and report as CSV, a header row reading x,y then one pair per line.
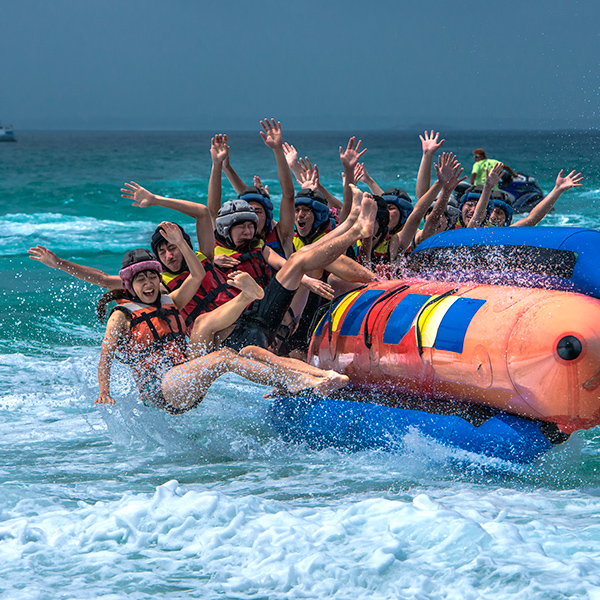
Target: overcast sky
x,y
314,64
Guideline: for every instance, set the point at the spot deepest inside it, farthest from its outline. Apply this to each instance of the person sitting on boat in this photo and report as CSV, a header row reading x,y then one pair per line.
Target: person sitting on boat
x,y
484,164
149,333
499,214
276,235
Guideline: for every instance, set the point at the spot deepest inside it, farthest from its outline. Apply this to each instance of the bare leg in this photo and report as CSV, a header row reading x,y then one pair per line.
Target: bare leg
x,y
185,384
328,248
329,381
206,326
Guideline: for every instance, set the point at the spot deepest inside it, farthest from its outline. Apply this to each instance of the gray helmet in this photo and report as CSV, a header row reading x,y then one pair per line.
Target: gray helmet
x,y
234,212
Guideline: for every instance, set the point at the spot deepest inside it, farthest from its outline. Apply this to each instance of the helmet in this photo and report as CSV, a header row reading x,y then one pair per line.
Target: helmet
x,y
507,208
317,203
234,212
401,200
134,262
158,238
253,194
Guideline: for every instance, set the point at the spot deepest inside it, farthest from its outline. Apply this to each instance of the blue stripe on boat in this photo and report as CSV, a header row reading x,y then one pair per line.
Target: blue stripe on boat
x,y
356,314
401,319
453,328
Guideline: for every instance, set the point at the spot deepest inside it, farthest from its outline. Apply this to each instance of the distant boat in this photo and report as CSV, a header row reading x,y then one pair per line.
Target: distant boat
x,y
7,134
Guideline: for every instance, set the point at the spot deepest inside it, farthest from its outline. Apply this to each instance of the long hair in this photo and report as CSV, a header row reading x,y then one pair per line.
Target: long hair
x,y
106,299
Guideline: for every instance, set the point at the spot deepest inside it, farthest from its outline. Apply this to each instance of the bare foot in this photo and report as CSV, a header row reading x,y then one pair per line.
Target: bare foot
x,y
330,382
366,220
357,197
244,282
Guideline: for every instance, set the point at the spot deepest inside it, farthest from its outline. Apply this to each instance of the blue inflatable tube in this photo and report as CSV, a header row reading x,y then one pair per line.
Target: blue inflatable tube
x,y
562,258
356,425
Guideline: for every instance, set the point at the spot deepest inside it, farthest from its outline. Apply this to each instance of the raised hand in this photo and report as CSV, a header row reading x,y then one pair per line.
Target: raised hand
x,y
171,232
431,143
45,256
360,172
351,155
493,177
219,150
566,183
291,154
309,178
272,133
141,197
257,182
447,168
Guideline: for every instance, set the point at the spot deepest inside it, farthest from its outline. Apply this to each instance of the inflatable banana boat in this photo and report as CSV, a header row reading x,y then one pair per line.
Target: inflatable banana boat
x,y
503,370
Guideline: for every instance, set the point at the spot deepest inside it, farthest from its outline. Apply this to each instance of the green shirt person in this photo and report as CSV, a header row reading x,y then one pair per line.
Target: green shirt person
x,y
482,165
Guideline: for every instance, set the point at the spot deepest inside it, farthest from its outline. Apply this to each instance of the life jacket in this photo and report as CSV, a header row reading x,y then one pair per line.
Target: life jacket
x,y
213,290
379,255
156,341
272,241
301,242
251,262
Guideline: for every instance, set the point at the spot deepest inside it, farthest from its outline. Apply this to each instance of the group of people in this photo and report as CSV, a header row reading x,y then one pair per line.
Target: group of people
x,y
244,301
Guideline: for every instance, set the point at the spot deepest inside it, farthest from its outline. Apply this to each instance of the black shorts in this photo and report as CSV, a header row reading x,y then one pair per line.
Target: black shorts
x,y
258,324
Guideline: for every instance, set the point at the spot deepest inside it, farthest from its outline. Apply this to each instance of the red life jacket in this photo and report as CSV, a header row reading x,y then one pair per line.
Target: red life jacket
x,y
212,292
251,262
272,241
156,342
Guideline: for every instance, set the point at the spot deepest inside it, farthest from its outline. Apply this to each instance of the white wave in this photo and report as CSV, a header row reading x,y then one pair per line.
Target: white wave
x,y
191,541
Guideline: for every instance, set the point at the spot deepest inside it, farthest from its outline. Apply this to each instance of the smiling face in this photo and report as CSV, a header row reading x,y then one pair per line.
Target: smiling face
x,y
242,233
260,213
146,285
498,217
467,210
305,219
170,256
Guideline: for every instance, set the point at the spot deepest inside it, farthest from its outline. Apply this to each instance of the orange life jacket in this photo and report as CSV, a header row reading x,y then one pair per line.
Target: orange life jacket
x,y
156,342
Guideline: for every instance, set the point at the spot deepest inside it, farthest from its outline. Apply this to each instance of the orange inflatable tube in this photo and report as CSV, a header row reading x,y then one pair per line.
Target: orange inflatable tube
x,y
529,352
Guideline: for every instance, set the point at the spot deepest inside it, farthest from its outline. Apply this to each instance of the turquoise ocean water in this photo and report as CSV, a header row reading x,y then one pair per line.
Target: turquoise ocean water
x,y
127,502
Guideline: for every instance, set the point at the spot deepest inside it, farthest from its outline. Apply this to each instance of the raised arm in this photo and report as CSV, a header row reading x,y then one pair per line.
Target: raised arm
x,y
491,179
219,152
142,198
89,274
432,223
545,206
349,158
234,179
361,174
273,138
430,144
185,292
446,167
307,167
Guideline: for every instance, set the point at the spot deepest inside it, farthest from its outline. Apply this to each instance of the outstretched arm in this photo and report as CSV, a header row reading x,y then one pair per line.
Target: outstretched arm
x,y
430,145
273,138
142,198
89,274
491,179
545,206
349,157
